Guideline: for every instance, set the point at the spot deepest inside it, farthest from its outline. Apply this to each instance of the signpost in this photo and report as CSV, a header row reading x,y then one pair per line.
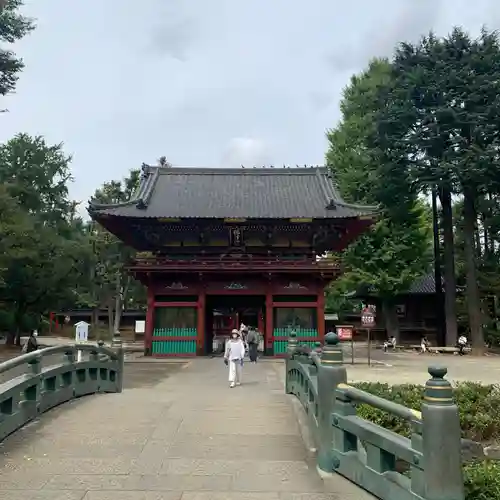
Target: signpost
x,y
345,332
81,336
368,322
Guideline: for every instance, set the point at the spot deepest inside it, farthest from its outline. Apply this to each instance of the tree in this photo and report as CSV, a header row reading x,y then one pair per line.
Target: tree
x,y
396,252
43,245
112,286
38,267
13,27
37,175
440,122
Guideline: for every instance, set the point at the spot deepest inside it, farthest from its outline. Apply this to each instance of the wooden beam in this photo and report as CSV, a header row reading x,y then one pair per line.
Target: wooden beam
x,y
295,304
176,304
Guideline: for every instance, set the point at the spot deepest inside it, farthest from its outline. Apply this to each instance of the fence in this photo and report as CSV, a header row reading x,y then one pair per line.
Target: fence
x,y
23,396
427,466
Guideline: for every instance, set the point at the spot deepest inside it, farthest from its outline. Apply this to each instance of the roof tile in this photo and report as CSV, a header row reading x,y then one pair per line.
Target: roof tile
x,y
260,193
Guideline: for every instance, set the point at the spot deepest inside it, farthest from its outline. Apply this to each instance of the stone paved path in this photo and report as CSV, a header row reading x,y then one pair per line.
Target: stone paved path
x,y
189,437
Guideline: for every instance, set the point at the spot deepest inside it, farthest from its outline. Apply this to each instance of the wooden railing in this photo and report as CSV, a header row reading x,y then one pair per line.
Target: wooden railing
x,y
233,262
366,453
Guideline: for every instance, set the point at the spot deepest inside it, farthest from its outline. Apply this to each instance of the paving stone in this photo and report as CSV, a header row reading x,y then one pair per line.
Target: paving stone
x,y
235,425
273,481
12,480
141,482
41,495
133,495
188,437
70,466
283,447
229,495
233,467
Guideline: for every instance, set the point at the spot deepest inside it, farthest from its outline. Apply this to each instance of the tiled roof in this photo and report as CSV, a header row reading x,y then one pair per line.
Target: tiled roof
x,y
426,285
259,193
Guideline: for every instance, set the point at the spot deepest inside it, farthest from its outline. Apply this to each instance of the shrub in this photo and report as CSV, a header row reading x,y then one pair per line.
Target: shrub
x,y
479,409
482,480
478,405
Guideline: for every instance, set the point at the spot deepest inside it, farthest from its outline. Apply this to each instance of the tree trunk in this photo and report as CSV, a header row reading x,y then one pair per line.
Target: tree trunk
x,y
110,318
14,337
390,318
438,277
472,292
118,303
450,285
94,323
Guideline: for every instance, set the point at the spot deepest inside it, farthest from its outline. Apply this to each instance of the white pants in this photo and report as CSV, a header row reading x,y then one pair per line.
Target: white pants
x,y
235,369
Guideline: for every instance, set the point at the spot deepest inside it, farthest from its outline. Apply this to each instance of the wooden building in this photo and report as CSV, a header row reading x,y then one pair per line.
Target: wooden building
x,y
223,246
416,313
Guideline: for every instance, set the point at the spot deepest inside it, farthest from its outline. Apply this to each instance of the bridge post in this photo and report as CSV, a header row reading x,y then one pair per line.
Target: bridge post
x,y
290,351
120,352
441,440
331,373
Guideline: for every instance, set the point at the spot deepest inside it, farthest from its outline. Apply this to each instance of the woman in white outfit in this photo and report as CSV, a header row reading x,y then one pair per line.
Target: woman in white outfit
x,y
234,356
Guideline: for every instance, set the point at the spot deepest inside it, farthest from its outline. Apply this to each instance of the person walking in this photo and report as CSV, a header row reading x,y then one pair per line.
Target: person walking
x,y
253,344
233,357
32,343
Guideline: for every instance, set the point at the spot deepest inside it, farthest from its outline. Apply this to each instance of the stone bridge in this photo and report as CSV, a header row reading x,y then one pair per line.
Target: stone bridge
x,y
182,436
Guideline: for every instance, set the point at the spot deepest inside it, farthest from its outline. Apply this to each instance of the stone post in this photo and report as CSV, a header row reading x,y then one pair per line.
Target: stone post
x,y
120,352
318,348
36,364
117,339
290,351
441,440
331,373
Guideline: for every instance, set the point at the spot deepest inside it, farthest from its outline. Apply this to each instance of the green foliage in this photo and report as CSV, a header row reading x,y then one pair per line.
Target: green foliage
x,y
13,27
479,408
438,126
396,251
50,259
482,481
37,175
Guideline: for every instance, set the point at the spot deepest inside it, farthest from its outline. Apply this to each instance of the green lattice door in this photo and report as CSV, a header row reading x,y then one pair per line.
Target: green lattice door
x,y
175,331
301,320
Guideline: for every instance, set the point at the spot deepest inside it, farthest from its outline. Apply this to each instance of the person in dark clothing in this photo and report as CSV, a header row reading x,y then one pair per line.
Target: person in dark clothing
x,y
253,344
32,342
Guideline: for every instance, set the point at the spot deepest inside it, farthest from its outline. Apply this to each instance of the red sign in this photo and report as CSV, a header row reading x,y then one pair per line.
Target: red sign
x,y
345,332
368,317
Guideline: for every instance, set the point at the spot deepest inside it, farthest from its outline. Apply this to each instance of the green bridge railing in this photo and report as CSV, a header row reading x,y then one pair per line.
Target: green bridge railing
x,y
368,454
32,387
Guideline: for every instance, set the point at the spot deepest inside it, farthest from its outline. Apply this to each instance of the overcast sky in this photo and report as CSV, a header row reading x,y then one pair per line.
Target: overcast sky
x,y
204,82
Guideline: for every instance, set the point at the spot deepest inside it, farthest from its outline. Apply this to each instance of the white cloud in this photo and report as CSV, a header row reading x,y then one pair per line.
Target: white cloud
x,y
245,151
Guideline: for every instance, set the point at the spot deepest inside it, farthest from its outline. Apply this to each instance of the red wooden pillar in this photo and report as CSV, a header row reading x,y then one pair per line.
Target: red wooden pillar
x,y
200,325
260,325
148,334
320,308
269,322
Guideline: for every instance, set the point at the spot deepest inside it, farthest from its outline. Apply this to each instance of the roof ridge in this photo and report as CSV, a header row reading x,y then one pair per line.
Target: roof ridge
x,y
270,170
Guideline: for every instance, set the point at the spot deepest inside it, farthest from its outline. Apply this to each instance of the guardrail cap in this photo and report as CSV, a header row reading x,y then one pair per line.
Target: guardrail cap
x,y
331,339
438,390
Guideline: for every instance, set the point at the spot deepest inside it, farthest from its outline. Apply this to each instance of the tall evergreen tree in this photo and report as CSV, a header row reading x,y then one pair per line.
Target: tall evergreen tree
x,y
395,253
440,122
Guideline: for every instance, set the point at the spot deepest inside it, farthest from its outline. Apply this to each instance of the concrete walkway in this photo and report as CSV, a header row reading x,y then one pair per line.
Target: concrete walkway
x,y
189,437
